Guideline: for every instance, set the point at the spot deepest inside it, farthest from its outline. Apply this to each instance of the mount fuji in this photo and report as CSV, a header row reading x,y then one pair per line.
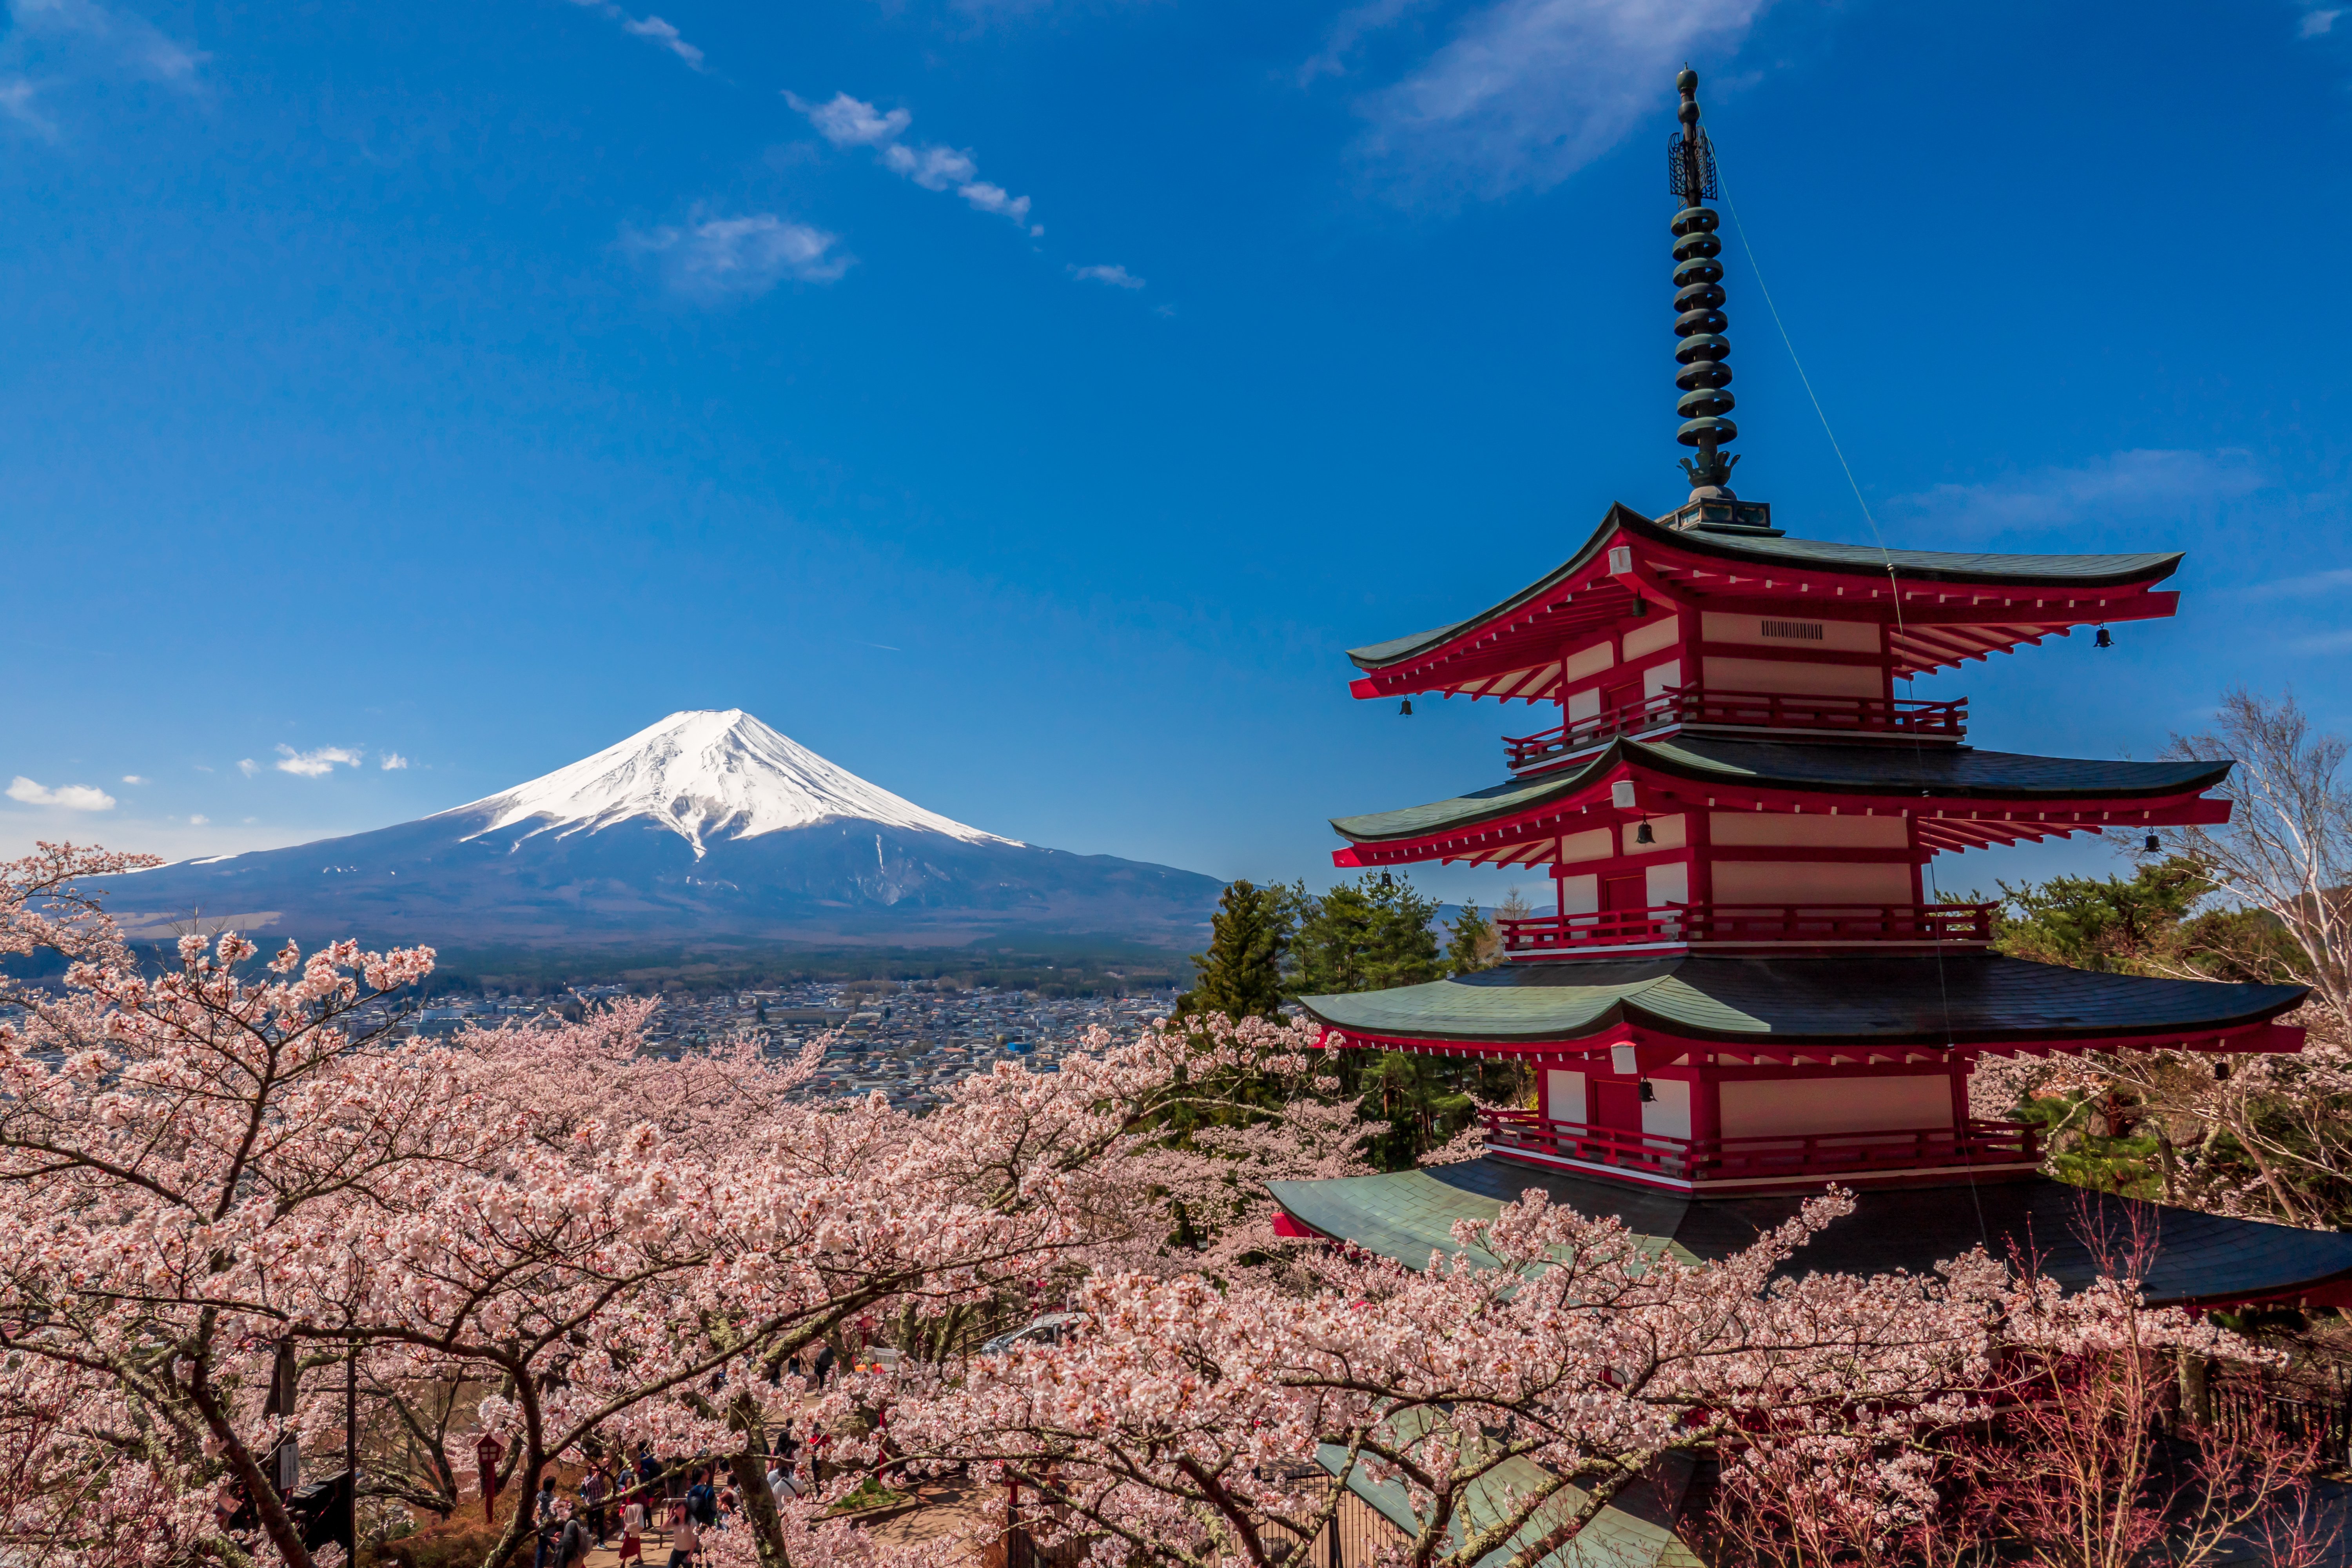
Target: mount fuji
x,y
706,826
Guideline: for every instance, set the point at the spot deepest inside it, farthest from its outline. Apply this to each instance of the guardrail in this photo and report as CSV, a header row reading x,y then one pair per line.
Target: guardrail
x,y
1942,923
1743,710
1826,1155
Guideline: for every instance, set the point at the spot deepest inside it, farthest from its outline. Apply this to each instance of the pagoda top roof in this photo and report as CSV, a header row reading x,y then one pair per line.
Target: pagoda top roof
x,y
2195,1257
1929,773
1970,1000
1706,564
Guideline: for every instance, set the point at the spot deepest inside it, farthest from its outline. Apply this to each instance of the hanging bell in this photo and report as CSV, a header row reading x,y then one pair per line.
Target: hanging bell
x,y
2105,639
2153,844
1407,709
1642,834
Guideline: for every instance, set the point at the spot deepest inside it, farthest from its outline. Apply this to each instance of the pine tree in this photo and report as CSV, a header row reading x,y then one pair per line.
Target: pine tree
x,y
1368,935
1241,975
1472,942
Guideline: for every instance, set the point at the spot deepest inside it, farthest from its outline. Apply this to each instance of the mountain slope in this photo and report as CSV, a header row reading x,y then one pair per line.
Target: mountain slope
x,y
708,826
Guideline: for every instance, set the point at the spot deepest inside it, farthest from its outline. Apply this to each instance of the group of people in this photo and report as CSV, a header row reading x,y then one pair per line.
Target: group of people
x,y
678,1503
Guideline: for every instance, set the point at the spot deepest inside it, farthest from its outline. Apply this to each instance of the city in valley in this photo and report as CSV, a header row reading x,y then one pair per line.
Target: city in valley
x,y
908,1039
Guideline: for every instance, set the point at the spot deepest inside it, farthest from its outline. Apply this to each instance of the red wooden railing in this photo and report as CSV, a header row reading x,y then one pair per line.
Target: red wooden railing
x,y
1826,1155
1750,922
1744,710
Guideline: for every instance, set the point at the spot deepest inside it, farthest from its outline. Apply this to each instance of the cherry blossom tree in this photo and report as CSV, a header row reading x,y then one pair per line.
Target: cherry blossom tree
x,y
1516,1388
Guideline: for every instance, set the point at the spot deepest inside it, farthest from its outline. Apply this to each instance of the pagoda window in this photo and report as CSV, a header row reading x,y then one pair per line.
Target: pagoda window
x,y
1811,882
1580,895
1564,1096
1773,631
1785,829
1664,632
1665,833
1800,1107
1794,678
1667,1113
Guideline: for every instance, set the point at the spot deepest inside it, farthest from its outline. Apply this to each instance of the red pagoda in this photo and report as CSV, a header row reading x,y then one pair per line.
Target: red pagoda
x,y
1742,991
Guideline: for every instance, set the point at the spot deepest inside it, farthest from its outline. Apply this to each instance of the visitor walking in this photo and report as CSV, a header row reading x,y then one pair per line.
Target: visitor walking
x,y
685,1546
593,1491
823,1364
633,1532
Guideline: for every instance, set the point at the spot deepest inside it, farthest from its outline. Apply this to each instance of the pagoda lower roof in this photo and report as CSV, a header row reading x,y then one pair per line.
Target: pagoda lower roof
x,y
1942,606
1974,1000
1919,777
2198,1258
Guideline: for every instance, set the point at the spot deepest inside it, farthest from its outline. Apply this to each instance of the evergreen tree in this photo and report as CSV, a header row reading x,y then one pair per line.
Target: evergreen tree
x,y
1368,935
1472,942
1241,975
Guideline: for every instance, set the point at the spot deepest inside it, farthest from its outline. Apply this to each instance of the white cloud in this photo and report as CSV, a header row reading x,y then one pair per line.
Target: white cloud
x,y
72,797
1527,92
721,259
198,819
845,122
247,766
1115,275
391,759
315,763
665,34
2125,485
133,779
848,122
2315,23
652,27
933,168
16,103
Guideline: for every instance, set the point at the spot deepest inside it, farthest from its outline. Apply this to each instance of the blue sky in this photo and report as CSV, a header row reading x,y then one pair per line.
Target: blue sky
x,y
1025,402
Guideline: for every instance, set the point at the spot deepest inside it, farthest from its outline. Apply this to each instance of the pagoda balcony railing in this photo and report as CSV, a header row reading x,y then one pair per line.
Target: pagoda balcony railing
x,y
1816,1156
1744,710
1822,923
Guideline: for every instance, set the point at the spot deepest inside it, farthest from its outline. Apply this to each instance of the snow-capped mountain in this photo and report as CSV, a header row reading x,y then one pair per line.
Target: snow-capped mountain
x,y
717,774
707,827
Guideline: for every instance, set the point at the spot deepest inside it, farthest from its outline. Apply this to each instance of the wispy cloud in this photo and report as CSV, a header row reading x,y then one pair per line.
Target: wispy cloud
x,y
1527,92
2126,485
53,46
719,260
1117,276
247,766
2303,586
133,779
2316,24
848,122
198,819
71,797
665,34
650,28
391,761
315,763
1352,28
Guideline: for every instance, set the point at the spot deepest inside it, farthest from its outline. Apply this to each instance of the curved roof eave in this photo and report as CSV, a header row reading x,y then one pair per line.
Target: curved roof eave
x,y
1810,554
1688,758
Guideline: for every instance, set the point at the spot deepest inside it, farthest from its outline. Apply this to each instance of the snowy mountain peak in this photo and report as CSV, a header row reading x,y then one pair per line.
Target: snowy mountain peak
x,y
704,775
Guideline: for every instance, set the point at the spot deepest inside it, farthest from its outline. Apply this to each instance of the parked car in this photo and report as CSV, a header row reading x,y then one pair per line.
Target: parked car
x,y
1045,1331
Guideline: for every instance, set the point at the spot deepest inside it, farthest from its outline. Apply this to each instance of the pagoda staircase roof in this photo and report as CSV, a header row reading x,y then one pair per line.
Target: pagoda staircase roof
x,y
2197,1258
2067,794
1842,1007
1952,606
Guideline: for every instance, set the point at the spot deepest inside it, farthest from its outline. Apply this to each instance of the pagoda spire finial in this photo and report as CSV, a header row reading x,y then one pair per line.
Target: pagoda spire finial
x,y
1699,322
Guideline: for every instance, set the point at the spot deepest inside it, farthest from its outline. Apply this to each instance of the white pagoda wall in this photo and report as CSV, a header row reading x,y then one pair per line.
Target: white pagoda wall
x,y
1759,1107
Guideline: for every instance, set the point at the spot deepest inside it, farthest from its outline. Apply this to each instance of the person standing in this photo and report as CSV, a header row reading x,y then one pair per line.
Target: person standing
x,y
572,1546
633,1532
593,1491
823,1364
686,1545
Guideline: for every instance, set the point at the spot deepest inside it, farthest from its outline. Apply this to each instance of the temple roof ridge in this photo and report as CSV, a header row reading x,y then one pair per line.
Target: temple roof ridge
x,y
1984,567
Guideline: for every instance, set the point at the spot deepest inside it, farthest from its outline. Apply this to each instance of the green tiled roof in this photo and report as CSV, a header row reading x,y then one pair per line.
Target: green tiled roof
x,y
1406,1215
1947,771
1936,565
1958,998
